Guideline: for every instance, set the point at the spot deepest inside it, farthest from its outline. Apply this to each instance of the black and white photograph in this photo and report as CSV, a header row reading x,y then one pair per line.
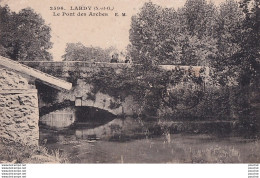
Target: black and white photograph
x,y
120,81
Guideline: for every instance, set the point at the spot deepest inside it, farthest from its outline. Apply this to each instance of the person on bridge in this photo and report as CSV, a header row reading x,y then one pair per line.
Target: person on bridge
x,y
114,58
127,59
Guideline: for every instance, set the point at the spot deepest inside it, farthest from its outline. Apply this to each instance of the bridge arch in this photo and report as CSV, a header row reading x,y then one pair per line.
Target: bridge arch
x,y
82,95
62,110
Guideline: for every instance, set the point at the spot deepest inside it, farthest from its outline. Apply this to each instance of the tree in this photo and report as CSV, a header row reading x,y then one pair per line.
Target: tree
x,y
251,9
196,38
24,35
228,35
250,43
238,43
79,52
198,18
164,36
229,21
152,34
237,60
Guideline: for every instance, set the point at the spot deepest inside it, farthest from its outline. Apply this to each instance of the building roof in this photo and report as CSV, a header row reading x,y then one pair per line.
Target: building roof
x,y
45,78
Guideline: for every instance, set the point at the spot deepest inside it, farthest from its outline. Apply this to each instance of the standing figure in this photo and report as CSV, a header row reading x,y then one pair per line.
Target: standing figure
x,y
114,58
127,59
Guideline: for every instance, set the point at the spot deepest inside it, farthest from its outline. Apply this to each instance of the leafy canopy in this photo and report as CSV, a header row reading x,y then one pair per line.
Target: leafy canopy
x,y
79,52
24,35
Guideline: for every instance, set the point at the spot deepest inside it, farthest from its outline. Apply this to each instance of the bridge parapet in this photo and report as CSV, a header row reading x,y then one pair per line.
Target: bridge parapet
x,y
74,64
62,69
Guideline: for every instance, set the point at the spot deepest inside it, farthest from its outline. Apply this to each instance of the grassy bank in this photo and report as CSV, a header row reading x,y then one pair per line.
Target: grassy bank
x,y
14,152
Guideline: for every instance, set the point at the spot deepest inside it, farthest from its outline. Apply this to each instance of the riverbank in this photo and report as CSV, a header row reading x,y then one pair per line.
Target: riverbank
x,y
13,152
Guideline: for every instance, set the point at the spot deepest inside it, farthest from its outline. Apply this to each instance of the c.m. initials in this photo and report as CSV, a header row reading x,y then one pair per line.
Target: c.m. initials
x,y
120,14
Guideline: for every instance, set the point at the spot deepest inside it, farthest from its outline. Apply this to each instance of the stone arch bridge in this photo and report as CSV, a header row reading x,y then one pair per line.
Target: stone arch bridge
x,y
59,105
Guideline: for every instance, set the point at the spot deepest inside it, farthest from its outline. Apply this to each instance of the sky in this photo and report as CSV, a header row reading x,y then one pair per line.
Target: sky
x,y
89,30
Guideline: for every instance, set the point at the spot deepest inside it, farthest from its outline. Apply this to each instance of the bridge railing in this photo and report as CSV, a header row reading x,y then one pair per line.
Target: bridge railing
x,y
74,64
84,66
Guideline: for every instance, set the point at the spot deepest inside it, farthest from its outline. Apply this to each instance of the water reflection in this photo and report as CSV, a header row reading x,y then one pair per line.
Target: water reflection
x,y
91,117
133,141
117,128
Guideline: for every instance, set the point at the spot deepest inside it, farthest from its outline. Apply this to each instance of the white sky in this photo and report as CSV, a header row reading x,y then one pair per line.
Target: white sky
x,y
95,31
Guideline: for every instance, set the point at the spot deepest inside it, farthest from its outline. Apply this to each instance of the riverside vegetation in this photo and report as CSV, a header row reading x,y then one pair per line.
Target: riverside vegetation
x,y
14,152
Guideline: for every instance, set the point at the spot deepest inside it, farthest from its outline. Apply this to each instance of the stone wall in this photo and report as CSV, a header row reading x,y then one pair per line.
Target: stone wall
x,y
19,113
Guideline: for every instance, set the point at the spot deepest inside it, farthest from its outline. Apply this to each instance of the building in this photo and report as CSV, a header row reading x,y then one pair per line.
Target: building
x,y
19,112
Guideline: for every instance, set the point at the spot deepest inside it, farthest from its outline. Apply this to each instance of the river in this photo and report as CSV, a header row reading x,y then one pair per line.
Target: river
x,y
133,141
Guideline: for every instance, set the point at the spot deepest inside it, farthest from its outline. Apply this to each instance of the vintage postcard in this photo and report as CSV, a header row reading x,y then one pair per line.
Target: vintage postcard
x,y
129,81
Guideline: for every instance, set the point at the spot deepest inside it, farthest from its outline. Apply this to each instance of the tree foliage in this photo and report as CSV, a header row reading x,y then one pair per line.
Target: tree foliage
x,y
167,36
24,35
225,38
198,18
79,52
153,33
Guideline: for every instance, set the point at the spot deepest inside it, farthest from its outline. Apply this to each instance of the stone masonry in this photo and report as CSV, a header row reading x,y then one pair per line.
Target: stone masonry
x,y
19,113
